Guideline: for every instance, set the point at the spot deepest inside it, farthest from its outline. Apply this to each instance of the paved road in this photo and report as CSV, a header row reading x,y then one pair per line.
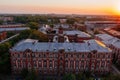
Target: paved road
x,y
115,70
8,38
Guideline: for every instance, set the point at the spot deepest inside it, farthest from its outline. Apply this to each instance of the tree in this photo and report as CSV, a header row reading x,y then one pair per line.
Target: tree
x,y
33,25
117,77
25,34
20,19
70,21
1,22
96,32
87,73
43,19
31,75
5,63
112,77
38,35
69,77
9,34
79,76
5,58
4,47
51,25
24,73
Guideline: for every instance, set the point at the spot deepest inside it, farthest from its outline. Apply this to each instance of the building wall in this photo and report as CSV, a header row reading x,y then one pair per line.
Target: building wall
x,y
53,63
115,50
3,35
12,26
70,37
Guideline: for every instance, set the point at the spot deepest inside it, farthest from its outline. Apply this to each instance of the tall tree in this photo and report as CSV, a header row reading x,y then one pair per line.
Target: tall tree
x,y
33,25
1,22
39,35
24,73
69,77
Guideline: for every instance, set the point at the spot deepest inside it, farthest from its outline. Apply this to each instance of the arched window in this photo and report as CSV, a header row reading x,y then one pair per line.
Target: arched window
x,y
24,55
35,64
44,55
18,55
82,55
45,63
66,63
40,63
71,63
33,54
66,55
77,64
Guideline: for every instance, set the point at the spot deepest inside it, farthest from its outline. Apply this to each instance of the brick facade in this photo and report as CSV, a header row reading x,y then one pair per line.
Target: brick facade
x,y
59,62
3,35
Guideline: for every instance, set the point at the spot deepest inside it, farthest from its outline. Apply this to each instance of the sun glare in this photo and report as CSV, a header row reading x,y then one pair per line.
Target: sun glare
x,y
117,8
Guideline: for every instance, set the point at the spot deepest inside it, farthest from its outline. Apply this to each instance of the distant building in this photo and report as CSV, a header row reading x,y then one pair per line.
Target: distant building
x,y
14,29
97,25
53,58
79,26
77,36
12,26
6,18
63,21
112,32
62,30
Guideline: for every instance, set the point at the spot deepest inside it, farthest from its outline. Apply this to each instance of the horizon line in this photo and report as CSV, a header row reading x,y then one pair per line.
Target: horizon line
x,y
19,13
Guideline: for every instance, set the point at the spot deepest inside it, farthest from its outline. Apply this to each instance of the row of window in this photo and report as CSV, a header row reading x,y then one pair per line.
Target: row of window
x,y
67,64
68,61
66,55
50,66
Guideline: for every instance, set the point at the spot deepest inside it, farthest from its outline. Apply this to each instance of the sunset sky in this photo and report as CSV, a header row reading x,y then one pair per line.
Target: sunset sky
x,y
97,7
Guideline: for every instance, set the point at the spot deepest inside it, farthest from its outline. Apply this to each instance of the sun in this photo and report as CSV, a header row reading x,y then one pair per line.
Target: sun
x,y
117,8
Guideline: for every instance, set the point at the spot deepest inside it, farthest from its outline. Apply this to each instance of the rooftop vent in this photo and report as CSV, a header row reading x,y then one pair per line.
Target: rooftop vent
x,y
36,50
69,48
88,43
54,49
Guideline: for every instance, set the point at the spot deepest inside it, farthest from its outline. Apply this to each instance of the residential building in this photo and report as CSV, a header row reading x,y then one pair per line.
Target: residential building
x,y
111,42
54,58
3,35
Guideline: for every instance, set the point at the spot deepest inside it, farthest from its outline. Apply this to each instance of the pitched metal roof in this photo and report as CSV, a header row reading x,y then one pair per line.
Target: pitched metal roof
x,y
13,29
55,47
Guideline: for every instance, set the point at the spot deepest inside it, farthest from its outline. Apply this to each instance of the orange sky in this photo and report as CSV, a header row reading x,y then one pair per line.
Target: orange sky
x,y
95,7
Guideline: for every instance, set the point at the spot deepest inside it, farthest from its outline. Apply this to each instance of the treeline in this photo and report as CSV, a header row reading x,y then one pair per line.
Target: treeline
x,y
39,19
86,75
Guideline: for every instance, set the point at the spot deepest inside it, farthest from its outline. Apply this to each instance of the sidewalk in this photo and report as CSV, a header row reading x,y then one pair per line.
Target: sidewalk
x,y
115,69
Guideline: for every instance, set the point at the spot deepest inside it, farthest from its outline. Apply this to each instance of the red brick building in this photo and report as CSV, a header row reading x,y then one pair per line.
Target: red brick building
x,y
12,26
113,43
73,35
3,35
6,18
55,58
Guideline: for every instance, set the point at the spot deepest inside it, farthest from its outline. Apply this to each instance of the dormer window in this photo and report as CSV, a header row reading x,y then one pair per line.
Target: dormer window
x,y
18,55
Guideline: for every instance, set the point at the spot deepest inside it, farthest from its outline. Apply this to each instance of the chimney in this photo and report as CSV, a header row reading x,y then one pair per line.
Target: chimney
x,y
66,39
